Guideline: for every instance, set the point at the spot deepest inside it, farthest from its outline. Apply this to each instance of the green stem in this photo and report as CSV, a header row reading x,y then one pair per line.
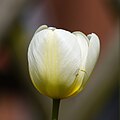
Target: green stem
x,y
55,109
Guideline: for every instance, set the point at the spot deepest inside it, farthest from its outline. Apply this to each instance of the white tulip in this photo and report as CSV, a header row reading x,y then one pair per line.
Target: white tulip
x,y
60,62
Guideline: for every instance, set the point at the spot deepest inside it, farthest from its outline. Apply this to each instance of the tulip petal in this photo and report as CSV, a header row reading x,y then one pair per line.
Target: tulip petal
x,y
93,53
54,58
83,43
36,53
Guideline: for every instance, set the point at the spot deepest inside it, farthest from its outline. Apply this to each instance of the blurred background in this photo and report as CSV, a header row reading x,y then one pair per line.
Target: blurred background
x,y
19,100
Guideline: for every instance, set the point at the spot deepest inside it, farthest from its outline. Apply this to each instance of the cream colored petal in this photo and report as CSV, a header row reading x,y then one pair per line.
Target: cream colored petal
x,y
93,53
36,58
54,59
83,43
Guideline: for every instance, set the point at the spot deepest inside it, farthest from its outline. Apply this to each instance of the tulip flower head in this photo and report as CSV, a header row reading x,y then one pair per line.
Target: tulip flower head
x,y
60,62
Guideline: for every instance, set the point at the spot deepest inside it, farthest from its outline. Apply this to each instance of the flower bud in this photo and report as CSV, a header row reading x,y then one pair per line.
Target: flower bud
x,y
60,62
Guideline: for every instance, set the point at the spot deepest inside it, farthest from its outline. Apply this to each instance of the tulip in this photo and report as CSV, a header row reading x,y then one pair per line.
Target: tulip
x,y
60,62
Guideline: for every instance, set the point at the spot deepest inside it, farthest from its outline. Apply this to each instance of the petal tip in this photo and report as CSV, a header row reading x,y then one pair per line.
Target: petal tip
x,y
42,27
93,36
89,36
52,28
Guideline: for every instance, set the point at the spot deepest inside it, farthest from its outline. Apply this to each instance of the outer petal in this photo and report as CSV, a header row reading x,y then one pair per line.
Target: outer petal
x,y
93,53
54,59
36,58
83,43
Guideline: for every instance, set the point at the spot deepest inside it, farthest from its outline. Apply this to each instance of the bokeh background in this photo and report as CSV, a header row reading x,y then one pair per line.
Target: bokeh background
x,y
19,19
